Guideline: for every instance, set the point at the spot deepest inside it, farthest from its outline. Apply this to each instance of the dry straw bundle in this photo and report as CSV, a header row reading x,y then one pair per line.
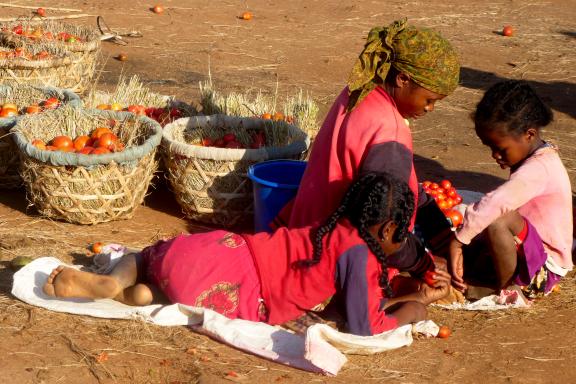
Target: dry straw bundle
x,y
87,189
300,109
211,184
133,91
22,96
80,43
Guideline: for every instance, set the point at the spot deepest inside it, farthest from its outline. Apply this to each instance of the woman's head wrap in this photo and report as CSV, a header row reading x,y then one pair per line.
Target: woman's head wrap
x,y
423,54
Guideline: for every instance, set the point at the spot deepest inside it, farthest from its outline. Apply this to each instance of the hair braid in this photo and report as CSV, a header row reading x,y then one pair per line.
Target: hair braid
x,y
374,198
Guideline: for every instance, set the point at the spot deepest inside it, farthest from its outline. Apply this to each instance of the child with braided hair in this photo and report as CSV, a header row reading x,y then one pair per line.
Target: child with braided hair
x,y
277,277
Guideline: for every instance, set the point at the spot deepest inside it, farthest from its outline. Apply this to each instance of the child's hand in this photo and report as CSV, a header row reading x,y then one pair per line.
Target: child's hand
x,y
439,289
440,264
457,265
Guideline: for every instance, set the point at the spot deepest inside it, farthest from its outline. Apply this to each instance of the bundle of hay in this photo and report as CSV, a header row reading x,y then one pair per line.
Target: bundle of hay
x,y
210,183
80,43
133,92
22,96
87,189
299,110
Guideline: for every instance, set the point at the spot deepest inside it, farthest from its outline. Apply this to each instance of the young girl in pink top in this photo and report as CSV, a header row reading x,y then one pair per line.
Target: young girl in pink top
x,y
520,233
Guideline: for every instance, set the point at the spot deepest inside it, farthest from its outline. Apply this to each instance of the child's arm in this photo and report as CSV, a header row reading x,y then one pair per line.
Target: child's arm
x,y
357,280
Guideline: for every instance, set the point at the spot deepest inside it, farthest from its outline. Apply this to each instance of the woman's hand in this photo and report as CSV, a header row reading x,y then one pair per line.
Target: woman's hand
x,y
457,265
439,289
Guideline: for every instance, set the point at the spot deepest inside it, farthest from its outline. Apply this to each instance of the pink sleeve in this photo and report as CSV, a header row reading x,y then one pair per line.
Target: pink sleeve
x,y
524,184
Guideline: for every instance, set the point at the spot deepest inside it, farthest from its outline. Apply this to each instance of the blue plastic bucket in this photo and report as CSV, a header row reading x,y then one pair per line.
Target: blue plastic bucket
x,y
275,183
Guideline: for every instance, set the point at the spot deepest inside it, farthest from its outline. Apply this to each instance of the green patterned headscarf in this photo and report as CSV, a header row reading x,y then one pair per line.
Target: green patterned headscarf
x,y
424,54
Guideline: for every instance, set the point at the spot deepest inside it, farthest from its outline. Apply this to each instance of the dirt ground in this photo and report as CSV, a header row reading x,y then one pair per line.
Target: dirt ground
x,y
309,45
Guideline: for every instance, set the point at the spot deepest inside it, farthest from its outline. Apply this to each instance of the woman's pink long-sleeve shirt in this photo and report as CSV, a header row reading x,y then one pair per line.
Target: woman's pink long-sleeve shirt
x,y
540,190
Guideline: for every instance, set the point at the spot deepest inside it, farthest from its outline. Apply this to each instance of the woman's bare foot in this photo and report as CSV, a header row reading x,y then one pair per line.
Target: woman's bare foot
x,y
69,282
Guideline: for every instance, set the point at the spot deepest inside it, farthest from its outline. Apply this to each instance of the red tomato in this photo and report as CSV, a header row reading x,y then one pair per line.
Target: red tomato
x,y
233,144
80,142
507,31
455,217
85,151
207,142
137,109
442,204
434,186
446,184
51,103
229,137
429,278
99,151
8,113
106,140
444,332
34,108
219,143
158,9
452,192
266,116
41,12
40,144
18,29
62,143
449,201
457,199
95,135
426,184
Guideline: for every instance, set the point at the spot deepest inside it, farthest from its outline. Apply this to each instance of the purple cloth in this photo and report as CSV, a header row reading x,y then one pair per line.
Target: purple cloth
x,y
531,258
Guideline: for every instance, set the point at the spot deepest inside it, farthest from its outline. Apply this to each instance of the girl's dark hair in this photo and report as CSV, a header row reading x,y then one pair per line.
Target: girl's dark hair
x,y
375,198
512,105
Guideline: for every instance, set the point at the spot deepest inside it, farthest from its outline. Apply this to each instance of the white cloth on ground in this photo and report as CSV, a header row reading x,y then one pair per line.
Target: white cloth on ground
x,y
320,350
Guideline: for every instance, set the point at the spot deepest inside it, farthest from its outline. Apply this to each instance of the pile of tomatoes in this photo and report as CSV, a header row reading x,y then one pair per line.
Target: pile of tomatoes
x,y
100,141
229,140
161,115
447,198
277,116
37,34
11,109
21,52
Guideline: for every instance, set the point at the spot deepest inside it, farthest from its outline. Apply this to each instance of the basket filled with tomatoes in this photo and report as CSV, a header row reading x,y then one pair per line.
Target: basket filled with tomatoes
x,y
15,102
207,159
80,43
87,166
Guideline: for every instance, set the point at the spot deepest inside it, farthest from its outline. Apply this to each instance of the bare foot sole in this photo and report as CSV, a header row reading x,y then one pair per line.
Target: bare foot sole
x,y
69,282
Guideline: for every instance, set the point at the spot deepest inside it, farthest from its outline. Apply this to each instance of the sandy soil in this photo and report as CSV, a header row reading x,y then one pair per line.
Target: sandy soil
x,y
309,45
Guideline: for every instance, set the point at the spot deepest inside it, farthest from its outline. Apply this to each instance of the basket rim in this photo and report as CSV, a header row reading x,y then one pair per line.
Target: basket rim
x,y
66,95
88,46
230,154
59,158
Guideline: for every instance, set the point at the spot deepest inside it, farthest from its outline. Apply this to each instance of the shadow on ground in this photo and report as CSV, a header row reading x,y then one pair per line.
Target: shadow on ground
x,y
559,95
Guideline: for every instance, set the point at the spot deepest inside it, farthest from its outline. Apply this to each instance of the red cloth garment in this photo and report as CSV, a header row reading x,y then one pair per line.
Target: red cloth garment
x,y
347,267
254,277
211,270
372,137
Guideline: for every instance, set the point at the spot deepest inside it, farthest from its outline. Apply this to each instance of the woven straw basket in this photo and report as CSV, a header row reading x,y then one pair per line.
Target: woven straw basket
x,y
87,189
211,184
75,72
22,96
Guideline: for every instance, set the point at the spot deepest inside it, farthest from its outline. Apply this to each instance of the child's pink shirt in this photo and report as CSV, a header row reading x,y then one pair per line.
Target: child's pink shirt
x,y
540,190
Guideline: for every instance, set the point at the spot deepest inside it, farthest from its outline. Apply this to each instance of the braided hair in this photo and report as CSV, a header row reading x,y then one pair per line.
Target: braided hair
x,y
376,197
512,105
